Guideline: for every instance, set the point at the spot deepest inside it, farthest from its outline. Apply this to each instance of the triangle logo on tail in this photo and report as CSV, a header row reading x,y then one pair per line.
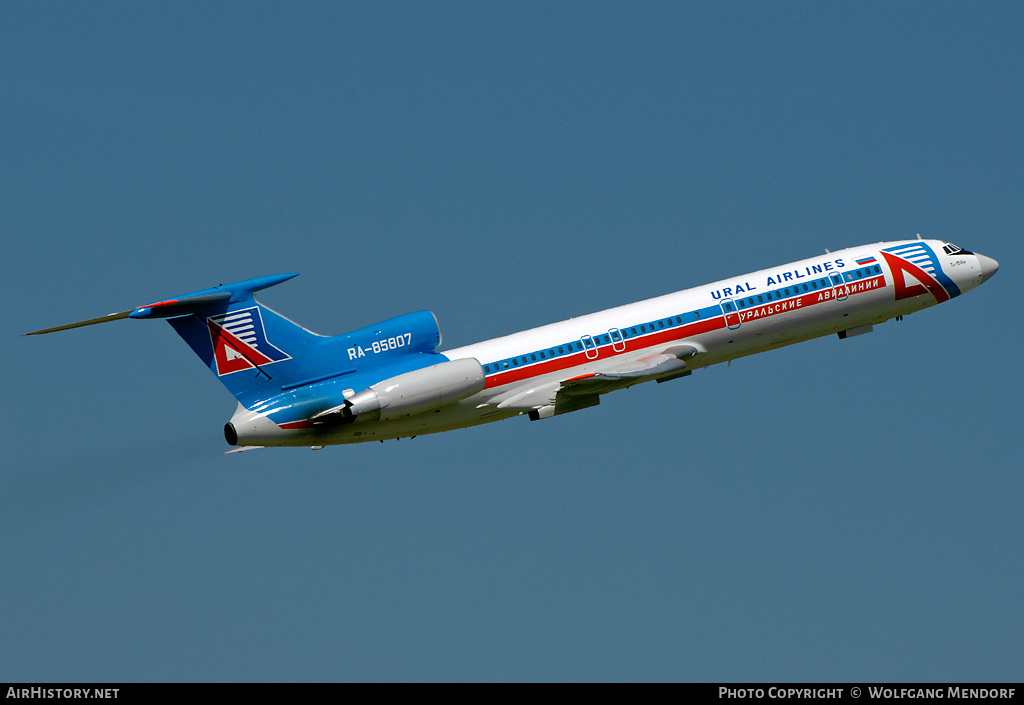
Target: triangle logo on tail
x,y
240,342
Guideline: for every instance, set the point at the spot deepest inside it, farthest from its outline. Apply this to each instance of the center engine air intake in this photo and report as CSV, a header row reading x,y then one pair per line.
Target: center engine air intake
x,y
416,391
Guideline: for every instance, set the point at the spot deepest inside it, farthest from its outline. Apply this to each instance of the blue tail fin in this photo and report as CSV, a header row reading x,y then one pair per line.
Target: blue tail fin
x,y
244,343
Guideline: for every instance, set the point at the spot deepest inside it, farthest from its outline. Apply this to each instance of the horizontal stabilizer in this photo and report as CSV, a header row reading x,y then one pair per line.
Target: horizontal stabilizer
x,y
183,305
90,322
179,307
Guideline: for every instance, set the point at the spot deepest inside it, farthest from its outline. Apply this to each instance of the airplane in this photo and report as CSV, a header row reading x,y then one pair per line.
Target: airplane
x,y
388,380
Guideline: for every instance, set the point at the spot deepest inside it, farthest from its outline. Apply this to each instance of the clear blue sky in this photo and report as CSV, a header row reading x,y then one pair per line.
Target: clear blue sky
x,y
836,510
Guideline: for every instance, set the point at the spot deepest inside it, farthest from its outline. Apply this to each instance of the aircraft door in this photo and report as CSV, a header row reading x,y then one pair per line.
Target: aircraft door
x,y
589,347
838,285
732,316
618,344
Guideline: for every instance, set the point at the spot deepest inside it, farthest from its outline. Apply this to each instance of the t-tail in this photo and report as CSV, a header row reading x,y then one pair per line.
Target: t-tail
x,y
248,346
244,343
265,360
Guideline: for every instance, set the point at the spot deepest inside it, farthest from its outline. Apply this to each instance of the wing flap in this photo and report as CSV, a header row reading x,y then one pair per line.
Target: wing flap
x,y
531,396
628,372
583,390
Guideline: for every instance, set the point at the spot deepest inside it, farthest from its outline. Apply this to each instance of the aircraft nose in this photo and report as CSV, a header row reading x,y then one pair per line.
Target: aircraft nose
x,y
988,267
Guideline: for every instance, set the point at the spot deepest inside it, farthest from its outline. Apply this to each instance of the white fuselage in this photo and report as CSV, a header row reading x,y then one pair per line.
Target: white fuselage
x,y
848,290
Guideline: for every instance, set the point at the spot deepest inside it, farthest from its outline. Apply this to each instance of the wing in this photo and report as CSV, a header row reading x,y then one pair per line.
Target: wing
x,y
563,396
639,368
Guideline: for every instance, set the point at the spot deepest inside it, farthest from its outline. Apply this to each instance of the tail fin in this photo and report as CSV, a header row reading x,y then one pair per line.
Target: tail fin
x,y
244,343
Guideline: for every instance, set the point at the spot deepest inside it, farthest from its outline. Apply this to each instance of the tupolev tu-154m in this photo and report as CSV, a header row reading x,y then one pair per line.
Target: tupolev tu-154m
x,y
388,380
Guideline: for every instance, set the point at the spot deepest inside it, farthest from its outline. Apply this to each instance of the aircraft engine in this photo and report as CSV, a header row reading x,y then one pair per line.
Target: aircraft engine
x,y
416,391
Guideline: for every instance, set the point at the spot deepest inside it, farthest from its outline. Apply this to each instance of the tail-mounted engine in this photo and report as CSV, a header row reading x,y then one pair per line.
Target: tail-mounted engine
x,y
410,393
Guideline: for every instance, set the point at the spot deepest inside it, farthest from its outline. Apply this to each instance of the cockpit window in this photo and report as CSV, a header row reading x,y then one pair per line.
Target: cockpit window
x,y
950,249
